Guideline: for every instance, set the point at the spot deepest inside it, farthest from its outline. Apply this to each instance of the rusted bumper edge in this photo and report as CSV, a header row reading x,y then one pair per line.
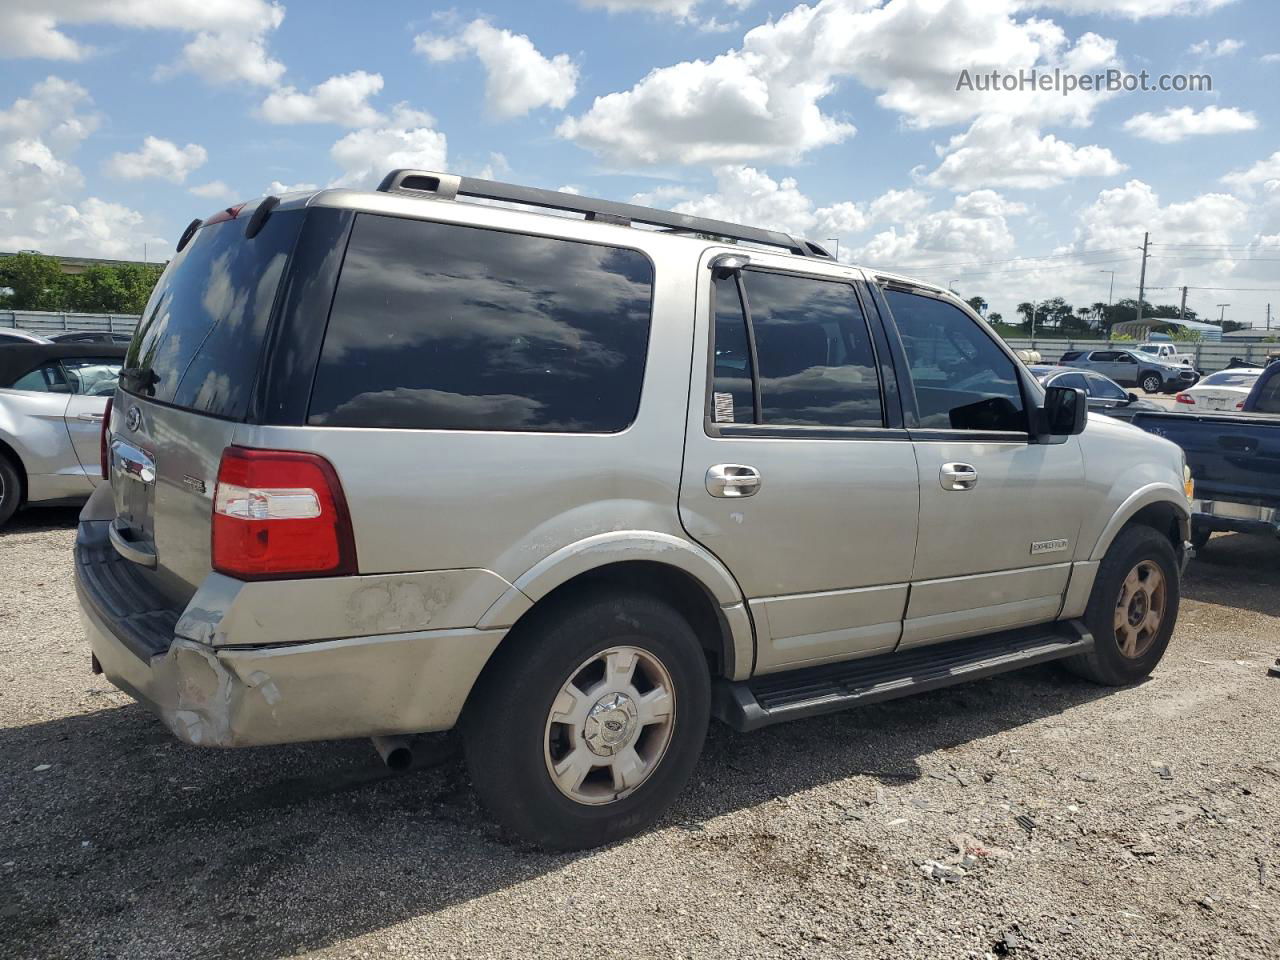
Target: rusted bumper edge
x,y
396,683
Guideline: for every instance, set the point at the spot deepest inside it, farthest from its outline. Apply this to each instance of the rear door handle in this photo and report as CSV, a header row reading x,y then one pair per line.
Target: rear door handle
x,y
958,476
90,417
732,480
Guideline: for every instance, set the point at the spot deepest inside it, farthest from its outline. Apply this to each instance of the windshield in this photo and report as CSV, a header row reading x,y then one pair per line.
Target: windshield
x,y
1230,378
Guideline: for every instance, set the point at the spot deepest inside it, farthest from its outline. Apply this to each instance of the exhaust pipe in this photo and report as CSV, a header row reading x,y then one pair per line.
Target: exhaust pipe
x,y
396,752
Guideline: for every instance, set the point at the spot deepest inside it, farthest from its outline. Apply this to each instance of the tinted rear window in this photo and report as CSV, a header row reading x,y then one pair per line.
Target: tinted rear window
x,y
202,331
437,326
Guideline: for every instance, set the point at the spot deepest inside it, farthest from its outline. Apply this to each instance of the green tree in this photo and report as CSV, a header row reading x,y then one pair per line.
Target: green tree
x,y
978,304
995,317
33,281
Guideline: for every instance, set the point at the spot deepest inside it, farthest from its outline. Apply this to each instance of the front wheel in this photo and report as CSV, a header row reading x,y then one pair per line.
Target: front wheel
x,y
1132,609
590,723
1152,383
10,489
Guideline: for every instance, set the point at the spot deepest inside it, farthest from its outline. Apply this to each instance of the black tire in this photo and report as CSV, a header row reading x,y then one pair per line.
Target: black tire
x,y
505,724
1152,382
1107,664
10,489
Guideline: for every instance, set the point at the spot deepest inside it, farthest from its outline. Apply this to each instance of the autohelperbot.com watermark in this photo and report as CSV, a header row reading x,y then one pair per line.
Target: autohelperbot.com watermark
x,y
1062,81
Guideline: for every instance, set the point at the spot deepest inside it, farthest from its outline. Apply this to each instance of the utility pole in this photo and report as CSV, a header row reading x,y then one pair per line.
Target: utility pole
x,y
1268,316
1142,277
1111,291
1222,311
1183,307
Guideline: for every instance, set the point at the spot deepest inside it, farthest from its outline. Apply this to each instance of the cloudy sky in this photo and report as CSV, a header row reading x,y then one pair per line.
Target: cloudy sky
x,y
120,120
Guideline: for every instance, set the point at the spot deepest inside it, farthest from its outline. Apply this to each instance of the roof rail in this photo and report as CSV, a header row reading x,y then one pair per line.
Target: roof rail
x,y
444,186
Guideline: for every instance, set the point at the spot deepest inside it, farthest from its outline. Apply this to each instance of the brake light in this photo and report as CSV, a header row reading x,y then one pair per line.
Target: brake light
x,y
1239,404
1185,398
280,513
226,213
104,440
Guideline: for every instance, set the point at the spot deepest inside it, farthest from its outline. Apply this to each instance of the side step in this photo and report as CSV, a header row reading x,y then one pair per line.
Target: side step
x,y
811,691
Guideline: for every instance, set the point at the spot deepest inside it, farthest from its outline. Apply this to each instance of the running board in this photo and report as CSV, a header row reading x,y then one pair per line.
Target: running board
x,y
811,691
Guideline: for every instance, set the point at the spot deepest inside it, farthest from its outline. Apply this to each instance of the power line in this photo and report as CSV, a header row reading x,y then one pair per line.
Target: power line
x,y
1236,289
1229,259
978,263
1004,271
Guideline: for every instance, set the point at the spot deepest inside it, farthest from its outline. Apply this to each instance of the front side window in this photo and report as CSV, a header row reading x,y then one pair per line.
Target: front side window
x,y
1125,358
1104,389
444,327
1070,380
963,381
814,361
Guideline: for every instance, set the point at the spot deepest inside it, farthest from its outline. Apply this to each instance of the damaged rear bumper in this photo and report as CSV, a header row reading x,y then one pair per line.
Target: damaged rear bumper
x,y
232,695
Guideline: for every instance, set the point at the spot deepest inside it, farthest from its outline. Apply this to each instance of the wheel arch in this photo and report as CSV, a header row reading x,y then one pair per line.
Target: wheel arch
x,y
1157,505
9,453
674,570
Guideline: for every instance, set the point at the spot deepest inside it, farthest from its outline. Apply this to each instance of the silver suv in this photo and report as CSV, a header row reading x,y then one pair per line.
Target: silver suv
x,y
575,477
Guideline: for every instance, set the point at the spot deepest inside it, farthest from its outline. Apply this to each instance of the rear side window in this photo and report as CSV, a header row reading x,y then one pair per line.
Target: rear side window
x,y
1072,355
437,326
963,381
202,330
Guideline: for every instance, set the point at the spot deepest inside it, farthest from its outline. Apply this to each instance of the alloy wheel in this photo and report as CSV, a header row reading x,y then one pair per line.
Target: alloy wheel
x,y
1140,609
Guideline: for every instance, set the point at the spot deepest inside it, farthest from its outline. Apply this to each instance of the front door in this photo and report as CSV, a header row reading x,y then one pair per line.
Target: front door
x,y
999,515
796,475
1125,370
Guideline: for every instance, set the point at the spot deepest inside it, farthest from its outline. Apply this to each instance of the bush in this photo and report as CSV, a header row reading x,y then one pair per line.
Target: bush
x,y
36,282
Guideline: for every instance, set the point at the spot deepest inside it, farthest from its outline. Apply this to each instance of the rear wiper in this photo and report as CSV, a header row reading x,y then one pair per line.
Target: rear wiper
x,y
139,379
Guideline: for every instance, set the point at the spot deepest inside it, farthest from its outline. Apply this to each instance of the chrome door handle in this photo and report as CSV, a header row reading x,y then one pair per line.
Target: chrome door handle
x,y
90,417
732,480
958,476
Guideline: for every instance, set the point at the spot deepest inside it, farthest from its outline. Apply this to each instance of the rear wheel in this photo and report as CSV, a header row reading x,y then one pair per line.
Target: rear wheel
x,y
590,723
1152,382
10,489
1132,609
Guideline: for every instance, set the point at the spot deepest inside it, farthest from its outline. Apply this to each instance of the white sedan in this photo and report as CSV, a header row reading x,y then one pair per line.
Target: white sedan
x,y
1225,390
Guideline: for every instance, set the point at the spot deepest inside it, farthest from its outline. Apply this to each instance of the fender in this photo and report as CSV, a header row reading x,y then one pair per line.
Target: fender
x,y
622,545
1159,492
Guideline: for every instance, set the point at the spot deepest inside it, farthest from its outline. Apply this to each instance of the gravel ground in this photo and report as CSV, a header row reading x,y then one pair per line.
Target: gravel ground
x,y
1136,823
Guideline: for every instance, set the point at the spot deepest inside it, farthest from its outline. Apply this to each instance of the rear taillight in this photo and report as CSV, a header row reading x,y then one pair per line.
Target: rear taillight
x,y
1185,398
104,439
280,513
1239,404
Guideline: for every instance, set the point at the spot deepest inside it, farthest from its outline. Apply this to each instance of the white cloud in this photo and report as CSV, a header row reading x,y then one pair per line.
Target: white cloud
x,y
1119,217
1130,9
518,77
39,181
749,196
999,152
32,27
975,227
676,8
230,57
157,158
407,140
762,100
899,206
1223,48
213,190
49,114
1264,173
276,188
1270,58
342,100
1178,123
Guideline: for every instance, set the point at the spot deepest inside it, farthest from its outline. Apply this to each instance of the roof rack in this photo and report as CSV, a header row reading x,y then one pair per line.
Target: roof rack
x,y
445,186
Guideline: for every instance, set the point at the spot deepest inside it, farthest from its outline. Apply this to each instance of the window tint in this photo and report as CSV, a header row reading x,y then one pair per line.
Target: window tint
x,y
1072,355
1268,400
1104,389
1104,356
963,381
202,329
1070,380
1229,378
731,397
436,326
1125,358
813,346
48,378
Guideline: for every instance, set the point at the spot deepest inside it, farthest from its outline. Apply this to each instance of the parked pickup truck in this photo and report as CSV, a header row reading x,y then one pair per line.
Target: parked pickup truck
x,y
1235,460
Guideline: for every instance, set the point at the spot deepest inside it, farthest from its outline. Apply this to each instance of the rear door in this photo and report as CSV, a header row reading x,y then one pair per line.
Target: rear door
x,y
1126,369
999,515
797,472
187,381
92,380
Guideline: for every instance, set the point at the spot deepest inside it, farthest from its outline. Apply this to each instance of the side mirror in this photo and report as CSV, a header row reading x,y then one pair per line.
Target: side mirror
x,y
1131,398
1064,414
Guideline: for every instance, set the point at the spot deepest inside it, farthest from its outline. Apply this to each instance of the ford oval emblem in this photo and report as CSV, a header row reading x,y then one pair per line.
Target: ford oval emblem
x,y
133,420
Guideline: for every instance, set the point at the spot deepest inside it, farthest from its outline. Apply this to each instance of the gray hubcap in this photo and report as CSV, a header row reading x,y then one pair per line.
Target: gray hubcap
x,y
610,725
